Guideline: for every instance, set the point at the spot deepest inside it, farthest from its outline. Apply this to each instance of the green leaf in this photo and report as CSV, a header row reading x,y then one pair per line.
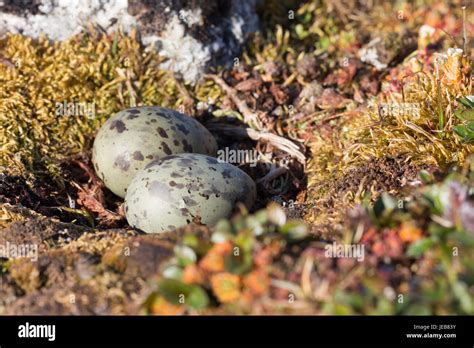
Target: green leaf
x,y
467,101
426,176
462,294
176,292
384,206
324,43
197,298
460,130
465,114
465,132
115,44
294,230
239,264
419,247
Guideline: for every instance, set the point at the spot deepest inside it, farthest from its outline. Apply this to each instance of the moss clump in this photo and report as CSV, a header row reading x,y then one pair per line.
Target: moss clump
x,y
94,74
420,124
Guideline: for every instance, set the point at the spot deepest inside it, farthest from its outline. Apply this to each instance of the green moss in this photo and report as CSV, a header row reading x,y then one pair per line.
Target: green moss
x,y
39,76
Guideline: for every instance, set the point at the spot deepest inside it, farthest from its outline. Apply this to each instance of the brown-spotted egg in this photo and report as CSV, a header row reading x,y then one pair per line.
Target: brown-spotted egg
x,y
175,190
131,138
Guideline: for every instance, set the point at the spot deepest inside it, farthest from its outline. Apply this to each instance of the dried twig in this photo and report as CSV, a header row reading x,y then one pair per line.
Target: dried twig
x,y
250,118
306,276
277,141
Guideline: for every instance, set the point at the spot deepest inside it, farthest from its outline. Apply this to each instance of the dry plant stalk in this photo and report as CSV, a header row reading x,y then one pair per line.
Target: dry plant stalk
x,y
277,141
250,117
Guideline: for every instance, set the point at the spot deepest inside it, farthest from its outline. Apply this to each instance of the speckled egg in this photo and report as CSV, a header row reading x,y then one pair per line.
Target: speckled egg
x,y
131,138
175,190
